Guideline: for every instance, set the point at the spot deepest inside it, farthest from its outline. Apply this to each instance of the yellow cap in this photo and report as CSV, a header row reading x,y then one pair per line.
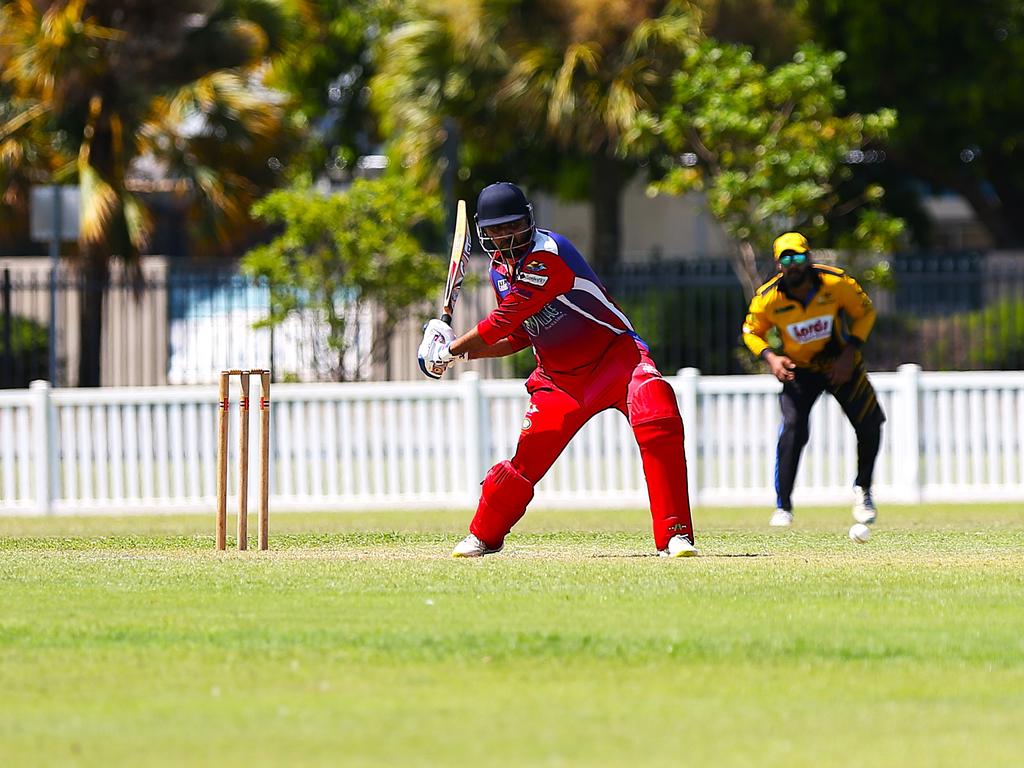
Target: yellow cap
x,y
791,241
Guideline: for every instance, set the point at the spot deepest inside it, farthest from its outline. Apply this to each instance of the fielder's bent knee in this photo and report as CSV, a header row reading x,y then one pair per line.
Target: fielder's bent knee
x,y
872,422
799,434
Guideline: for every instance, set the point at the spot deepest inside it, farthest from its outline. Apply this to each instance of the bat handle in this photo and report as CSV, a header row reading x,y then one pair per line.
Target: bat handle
x,y
446,318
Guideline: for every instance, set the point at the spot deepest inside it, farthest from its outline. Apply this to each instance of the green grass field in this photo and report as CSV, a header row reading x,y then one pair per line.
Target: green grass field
x,y
356,642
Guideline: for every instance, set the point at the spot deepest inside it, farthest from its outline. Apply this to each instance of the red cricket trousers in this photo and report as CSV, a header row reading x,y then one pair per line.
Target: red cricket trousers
x,y
626,380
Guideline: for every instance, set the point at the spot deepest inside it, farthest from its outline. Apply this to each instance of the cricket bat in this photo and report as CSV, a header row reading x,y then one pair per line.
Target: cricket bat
x,y
462,244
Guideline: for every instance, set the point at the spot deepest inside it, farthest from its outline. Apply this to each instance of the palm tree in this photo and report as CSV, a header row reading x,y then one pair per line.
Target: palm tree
x,y
107,84
575,76
24,161
328,71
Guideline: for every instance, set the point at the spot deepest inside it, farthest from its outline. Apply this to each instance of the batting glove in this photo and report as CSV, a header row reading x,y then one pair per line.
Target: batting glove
x,y
433,354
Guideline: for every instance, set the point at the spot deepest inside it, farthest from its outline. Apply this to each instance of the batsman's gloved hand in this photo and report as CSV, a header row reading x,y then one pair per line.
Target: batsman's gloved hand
x,y
434,355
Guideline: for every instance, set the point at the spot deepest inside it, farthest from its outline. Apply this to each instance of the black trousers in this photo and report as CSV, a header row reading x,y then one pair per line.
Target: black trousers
x,y
858,401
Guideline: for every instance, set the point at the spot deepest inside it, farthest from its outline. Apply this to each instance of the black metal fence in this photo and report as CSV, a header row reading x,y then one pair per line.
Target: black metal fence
x,y
962,311
952,312
689,312
180,324
24,335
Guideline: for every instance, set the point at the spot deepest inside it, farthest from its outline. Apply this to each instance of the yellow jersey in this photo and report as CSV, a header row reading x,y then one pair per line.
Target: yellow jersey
x,y
811,332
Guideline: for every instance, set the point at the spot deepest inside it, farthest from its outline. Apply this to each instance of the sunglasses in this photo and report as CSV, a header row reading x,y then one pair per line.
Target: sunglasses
x,y
792,258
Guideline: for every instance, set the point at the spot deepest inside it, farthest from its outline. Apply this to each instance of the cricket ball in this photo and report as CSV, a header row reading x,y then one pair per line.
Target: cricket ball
x,y
859,533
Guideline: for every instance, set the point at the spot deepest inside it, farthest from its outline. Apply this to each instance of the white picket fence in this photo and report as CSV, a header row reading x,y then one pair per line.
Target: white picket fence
x,y
949,437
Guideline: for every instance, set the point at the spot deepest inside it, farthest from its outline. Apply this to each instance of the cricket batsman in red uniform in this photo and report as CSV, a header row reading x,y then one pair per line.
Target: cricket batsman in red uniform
x,y
589,359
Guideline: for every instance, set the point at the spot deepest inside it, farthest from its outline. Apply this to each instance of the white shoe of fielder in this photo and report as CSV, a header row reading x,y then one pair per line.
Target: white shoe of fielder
x,y
782,518
471,546
678,546
864,510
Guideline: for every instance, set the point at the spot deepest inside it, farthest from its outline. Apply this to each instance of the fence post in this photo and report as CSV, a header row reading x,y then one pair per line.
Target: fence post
x,y
44,445
909,448
689,379
475,430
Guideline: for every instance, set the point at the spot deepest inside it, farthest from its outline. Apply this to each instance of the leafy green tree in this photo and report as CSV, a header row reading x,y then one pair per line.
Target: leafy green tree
x,y
338,255
327,70
100,86
955,73
562,77
439,71
773,29
767,148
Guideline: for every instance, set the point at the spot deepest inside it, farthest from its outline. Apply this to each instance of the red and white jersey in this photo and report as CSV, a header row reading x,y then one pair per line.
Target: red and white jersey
x,y
555,302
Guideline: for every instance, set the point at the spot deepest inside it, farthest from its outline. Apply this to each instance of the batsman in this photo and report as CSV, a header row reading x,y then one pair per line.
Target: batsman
x,y
589,359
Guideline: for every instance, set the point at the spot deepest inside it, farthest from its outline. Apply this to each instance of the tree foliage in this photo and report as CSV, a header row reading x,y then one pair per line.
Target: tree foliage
x,y
327,69
105,85
772,29
955,73
521,80
767,148
344,254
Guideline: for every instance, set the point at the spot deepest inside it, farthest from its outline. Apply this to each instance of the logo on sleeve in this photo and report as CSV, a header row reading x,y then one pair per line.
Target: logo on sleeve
x,y
535,266
538,280
503,285
527,423
812,329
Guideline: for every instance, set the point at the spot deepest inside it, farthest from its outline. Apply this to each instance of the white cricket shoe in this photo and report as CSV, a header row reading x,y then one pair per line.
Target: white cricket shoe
x,y
471,546
678,546
864,510
782,518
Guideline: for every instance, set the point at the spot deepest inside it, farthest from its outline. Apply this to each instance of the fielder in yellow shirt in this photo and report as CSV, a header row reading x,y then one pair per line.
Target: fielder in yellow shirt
x,y
823,318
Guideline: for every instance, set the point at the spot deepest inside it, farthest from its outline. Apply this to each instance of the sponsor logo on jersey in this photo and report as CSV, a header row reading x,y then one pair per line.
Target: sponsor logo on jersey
x,y
546,318
825,298
527,423
503,284
535,266
537,280
781,310
812,329
648,368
